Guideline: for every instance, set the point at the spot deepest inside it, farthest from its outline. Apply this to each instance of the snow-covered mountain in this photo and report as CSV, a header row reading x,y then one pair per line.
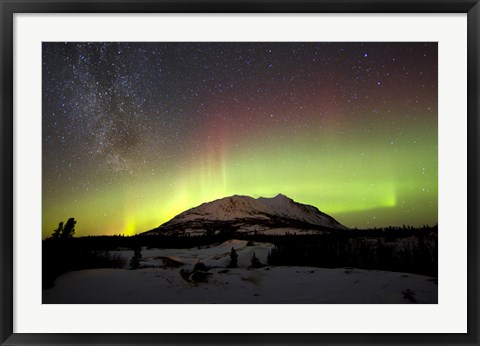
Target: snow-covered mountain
x,y
277,215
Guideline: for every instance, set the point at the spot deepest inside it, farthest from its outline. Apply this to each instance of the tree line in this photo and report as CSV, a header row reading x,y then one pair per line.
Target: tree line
x,y
404,249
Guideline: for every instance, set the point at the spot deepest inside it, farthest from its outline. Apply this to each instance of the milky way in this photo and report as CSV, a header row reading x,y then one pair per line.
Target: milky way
x,y
134,133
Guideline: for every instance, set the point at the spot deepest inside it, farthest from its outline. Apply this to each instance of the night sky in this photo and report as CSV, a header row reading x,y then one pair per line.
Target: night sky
x,y
135,133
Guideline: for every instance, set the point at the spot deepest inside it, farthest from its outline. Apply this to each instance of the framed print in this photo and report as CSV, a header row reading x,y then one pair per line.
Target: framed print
x,y
241,173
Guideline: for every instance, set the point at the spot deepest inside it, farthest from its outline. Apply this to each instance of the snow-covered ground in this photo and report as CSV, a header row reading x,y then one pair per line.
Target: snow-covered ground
x,y
212,256
160,281
265,285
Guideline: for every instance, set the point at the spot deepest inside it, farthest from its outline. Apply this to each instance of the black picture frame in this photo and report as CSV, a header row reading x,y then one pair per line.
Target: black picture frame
x,y
10,7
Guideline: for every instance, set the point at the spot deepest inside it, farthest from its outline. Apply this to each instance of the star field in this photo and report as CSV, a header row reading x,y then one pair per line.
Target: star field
x,y
135,133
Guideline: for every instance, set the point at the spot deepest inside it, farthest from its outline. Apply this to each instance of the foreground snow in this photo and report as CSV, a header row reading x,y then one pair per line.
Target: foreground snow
x,y
242,285
160,280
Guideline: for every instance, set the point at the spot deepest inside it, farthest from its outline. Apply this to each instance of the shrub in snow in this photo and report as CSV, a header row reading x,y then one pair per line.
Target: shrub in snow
x,y
200,266
194,276
199,276
185,274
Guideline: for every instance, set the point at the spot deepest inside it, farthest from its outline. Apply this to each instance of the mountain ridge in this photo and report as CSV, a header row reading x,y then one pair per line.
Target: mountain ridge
x,y
245,214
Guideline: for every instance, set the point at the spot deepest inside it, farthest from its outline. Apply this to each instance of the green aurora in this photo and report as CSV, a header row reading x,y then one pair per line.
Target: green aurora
x,y
367,157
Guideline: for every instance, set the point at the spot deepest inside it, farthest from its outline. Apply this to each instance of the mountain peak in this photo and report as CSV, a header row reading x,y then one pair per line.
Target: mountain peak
x,y
281,196
246,214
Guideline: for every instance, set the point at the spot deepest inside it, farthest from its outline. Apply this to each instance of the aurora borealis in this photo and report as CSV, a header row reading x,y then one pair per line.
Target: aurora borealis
x,y
135,133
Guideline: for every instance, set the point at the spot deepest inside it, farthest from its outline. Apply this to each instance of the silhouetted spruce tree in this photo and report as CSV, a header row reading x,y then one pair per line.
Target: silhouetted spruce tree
x,y
233,258
58,232
137,256
255,262
69,229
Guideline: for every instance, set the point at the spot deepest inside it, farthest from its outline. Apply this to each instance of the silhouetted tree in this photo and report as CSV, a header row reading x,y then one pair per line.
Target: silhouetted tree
x,y
137,256
69,229
233,258
58,232
255,262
